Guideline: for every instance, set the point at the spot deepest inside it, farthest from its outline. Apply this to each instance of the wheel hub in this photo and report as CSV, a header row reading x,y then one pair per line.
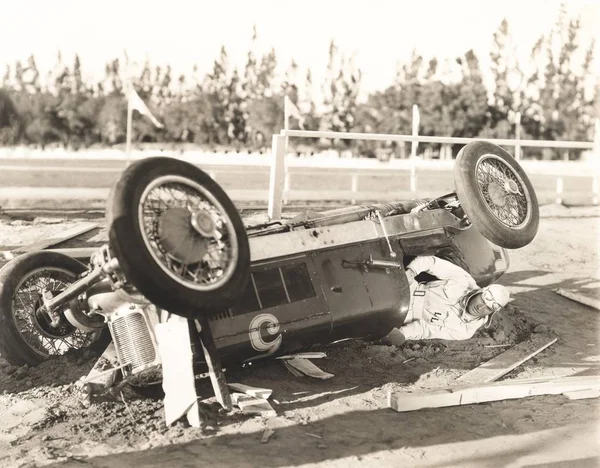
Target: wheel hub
x,y
512,187
179,237
43,324
203,223
497,194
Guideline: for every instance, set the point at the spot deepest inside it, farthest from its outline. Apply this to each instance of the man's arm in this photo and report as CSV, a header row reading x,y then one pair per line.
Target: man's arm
x,y
421,330
443,269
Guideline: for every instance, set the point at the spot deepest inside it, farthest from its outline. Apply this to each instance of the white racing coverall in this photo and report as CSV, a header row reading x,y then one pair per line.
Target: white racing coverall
x,y
435,310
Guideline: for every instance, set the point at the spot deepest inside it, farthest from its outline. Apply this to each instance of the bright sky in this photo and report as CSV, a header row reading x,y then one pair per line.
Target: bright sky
x,y
381,33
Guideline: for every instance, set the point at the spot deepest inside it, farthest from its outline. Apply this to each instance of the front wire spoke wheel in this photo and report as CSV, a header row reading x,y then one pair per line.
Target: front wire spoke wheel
x,y
188,232
503,191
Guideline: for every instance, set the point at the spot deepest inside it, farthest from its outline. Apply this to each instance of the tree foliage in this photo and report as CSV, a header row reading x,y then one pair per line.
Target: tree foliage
x,y
243,107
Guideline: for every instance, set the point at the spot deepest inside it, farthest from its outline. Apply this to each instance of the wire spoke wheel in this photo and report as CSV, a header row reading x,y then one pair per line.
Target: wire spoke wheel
x,y
34,326
188,232
178,237
27,335
504,192
496,194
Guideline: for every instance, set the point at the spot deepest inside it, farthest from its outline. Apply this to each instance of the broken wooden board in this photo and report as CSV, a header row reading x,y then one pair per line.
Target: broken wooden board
x,y
507,361
213,362
179,382
313,355
579,296
305,367
497,391
583,394
267,435
79,253
252,405
75,231
292,370
252,391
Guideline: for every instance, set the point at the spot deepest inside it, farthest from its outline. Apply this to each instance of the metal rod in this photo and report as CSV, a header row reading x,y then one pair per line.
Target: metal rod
x,y
81,285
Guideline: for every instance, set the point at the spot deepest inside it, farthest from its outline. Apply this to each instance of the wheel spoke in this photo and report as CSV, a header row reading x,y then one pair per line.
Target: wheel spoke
x,y
497,182
39,335
178,195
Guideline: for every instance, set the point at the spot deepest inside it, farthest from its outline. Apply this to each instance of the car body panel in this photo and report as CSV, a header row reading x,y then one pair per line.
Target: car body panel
x,y
313,285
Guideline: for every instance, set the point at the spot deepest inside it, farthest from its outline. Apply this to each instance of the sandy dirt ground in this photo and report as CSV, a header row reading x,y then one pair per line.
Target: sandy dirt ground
x,y
344,421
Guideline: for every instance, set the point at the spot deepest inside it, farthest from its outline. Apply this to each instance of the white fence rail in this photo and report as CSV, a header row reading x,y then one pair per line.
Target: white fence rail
x,y
280,183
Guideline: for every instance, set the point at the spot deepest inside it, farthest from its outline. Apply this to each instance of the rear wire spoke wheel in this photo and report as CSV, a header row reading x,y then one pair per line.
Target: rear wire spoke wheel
x,y
26,334
496,195
178,237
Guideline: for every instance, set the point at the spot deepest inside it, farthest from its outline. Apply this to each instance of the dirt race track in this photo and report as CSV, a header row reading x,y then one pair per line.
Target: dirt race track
x,y
345,421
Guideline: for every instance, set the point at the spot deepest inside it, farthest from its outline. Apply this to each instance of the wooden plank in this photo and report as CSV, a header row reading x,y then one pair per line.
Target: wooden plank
x,y
496,391
309,355
80,253
307,368
215,371
577,296
50,241
507,361
582,394
179,382
252,391
267,435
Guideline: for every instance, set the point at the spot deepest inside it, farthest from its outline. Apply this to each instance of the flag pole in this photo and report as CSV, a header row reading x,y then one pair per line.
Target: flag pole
x,y
129,123
286,113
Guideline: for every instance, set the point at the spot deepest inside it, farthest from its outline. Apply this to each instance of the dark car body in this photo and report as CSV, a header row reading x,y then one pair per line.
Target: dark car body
x,y
314,284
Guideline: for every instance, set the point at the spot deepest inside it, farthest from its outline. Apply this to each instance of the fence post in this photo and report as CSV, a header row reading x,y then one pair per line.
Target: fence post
x,y
286,185
276,179
416,120
559,190
413,177
354,187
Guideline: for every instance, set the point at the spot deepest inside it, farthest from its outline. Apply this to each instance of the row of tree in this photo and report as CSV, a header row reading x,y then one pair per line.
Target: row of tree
x,y
243,108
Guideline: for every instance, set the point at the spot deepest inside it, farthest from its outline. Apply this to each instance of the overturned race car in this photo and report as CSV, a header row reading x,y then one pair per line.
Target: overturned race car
x,y
178,248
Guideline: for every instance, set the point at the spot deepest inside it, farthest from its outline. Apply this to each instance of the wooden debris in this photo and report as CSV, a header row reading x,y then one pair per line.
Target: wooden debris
x,y
580,297
267,435
305,367
179,382
252,405
293,370
211,356
253,391
505,362
315,355
80,253
50,241
497,391
582,394
316,436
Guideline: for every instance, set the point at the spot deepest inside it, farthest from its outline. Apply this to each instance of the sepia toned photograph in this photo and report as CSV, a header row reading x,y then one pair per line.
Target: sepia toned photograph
x,y
270,233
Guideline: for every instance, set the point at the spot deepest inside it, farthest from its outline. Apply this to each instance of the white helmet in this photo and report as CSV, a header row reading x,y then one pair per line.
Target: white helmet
x,y
495,298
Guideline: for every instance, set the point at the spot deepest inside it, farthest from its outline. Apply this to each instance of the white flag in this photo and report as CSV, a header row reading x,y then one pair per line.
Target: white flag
x,y
290,110
136,103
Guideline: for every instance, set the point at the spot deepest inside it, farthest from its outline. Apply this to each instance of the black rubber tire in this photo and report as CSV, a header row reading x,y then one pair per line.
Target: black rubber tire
x,y
137,263
479,210
13,347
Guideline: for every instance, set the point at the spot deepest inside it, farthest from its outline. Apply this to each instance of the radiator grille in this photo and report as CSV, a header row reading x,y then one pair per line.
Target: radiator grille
x,y
132,340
